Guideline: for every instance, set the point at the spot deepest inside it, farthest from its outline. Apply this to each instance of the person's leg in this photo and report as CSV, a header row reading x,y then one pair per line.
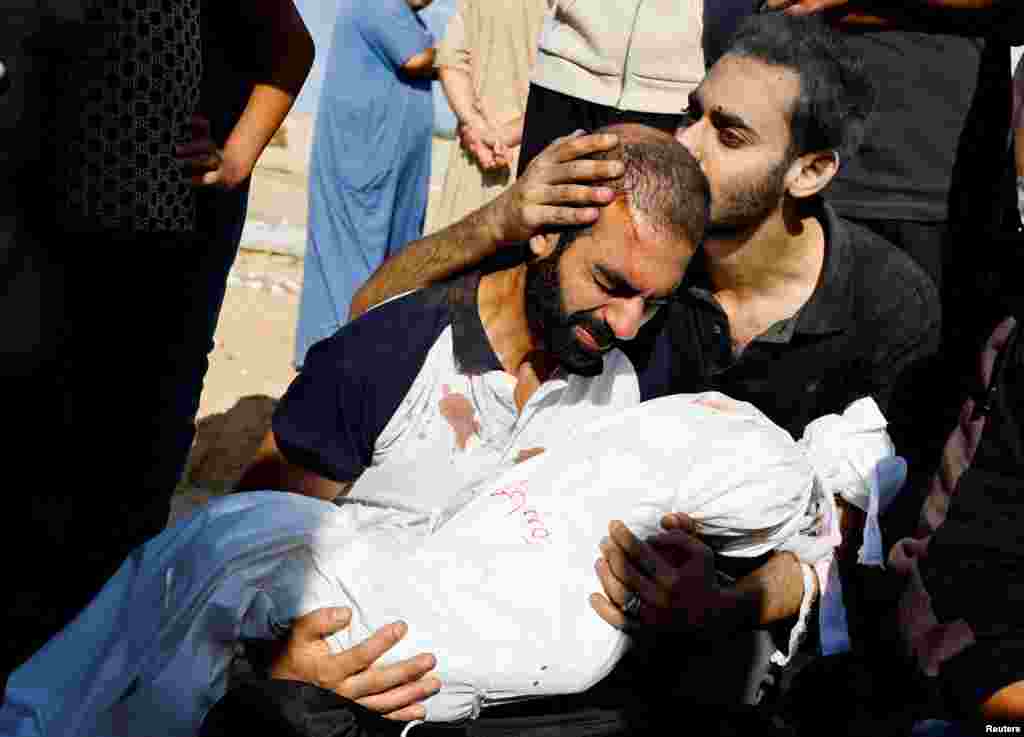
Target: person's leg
x,y
221,217
150,330
39,509
184,302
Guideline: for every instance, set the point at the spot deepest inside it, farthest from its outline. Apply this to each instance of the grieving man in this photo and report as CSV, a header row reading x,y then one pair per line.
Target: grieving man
x,y
449,387
786,306
450,380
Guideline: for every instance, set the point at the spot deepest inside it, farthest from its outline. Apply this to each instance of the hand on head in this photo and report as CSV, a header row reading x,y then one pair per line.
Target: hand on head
x,y
560,187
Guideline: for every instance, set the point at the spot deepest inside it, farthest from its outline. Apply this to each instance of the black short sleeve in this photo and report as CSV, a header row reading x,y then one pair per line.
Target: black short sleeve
x,y
352,382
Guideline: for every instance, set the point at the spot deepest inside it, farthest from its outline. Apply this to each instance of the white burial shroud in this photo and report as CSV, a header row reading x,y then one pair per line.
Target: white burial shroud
x,y
497,584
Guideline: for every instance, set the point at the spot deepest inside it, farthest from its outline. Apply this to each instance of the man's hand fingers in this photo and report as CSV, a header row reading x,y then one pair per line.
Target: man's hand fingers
x,y
572,194
200,126
608,611
645,561
679,549
682,542
199,165
572,147
484,156
583,170
679,521
196,147
631,578
408,714
906,553
385,678
401,696
614,588
366,653
320,623
539,217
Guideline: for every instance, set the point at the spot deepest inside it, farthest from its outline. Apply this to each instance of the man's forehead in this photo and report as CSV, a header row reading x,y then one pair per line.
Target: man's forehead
x,y
749,88
636,250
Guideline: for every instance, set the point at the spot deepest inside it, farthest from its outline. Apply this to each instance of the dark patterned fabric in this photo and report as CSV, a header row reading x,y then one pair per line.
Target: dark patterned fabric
x,y
136,95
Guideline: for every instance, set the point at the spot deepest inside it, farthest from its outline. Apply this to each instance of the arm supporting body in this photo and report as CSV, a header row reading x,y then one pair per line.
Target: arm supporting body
x,y
269,469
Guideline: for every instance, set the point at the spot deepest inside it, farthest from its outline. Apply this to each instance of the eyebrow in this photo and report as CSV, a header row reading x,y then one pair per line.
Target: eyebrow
x,y
618,283
720,117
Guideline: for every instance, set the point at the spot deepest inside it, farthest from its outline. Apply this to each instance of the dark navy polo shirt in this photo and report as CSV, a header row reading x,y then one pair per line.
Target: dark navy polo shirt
x,y
415,381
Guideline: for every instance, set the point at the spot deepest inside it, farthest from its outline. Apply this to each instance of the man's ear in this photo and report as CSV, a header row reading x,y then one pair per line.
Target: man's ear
x,y
811,173
543,246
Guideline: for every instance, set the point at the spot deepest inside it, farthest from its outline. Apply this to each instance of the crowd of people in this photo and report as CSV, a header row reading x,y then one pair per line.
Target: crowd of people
x,y
705,407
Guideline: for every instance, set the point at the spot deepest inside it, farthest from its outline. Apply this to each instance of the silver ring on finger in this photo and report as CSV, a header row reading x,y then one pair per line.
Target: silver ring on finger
x,y
631,606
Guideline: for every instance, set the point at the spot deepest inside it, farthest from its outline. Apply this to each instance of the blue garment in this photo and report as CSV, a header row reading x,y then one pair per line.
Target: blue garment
x,y
436,16
370,167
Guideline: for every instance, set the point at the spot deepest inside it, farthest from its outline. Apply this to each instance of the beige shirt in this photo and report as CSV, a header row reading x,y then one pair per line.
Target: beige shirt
x,y
495,42
642,55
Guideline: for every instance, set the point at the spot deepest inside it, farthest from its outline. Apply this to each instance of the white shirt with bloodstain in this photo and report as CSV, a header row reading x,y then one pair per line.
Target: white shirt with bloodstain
x,y
452,428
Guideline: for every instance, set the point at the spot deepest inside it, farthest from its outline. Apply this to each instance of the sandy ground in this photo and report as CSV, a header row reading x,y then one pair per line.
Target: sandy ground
x,y
251,363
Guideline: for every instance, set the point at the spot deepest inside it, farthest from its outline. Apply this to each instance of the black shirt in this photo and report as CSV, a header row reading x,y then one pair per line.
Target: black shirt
x,y
229,67
926,87
873,319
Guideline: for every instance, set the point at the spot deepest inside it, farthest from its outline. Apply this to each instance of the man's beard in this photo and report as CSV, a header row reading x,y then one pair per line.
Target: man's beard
x,y
549,321
748,207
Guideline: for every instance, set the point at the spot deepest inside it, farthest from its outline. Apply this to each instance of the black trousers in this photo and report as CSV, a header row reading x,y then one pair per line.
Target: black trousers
x,y
35,368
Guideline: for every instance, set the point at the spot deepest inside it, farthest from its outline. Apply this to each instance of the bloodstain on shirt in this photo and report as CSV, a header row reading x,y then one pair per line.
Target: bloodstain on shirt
x,y
459,413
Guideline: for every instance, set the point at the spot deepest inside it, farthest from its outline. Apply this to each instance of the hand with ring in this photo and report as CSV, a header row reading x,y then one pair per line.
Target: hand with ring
x,y
632,606
667,581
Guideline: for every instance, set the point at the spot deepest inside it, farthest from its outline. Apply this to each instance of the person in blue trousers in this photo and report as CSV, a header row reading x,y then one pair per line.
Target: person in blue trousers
x,y
370,168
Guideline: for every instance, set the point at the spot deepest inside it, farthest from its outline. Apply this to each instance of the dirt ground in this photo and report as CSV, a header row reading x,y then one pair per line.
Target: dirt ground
x,y
251,363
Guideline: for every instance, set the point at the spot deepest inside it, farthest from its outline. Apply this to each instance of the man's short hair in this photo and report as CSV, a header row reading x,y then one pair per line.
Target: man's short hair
x,y
836,96
662,182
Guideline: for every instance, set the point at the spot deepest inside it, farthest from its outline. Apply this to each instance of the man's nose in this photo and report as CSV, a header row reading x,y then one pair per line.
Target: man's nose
x,y
689,136
625,317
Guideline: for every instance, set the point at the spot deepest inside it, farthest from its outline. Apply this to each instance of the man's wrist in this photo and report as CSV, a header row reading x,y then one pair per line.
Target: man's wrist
x,y
493,226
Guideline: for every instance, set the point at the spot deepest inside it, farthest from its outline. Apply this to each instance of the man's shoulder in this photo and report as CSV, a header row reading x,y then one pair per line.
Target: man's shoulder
x,y
884,277
398,329
352,383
